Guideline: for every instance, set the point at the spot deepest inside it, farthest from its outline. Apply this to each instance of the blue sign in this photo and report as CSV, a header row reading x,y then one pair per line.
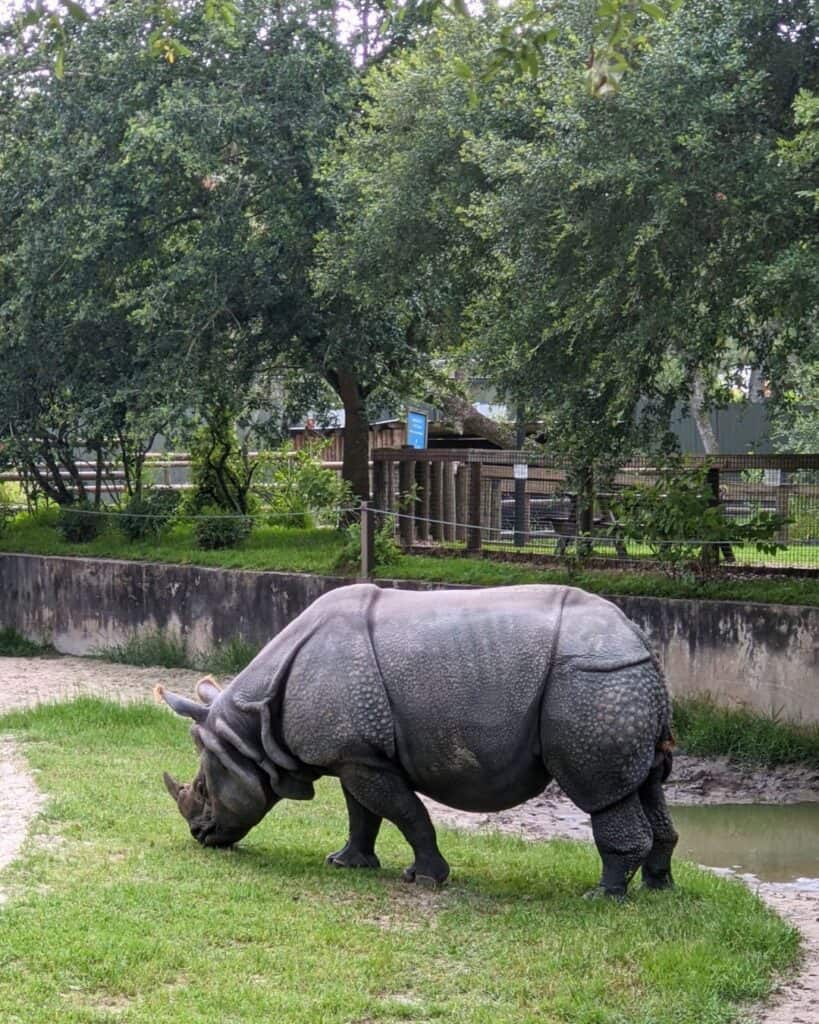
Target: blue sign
x,y
417,429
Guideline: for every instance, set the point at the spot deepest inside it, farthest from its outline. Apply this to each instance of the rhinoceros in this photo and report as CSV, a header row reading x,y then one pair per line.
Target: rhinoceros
x,y
475,698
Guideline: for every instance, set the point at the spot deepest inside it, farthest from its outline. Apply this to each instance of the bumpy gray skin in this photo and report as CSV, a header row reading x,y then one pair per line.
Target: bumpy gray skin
x,y
475,698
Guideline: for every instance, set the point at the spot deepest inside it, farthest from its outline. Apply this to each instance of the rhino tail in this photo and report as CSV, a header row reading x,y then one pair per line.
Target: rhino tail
x,y
665,750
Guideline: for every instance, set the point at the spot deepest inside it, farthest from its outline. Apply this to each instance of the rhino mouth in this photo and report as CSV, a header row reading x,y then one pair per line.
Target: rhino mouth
x,y
195,807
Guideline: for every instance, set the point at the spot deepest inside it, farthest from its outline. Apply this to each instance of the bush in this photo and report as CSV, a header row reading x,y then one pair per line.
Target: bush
x,y
675,517
386,551
13,645
220,529
298,490
805,525
80,523
221,468
148,516
10,502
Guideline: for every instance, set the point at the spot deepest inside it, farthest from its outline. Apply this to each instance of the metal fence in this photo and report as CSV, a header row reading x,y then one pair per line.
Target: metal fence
x,y
523,504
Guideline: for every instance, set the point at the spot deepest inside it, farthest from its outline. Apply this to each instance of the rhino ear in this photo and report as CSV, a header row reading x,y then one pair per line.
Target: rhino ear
x,y
181,705
207,690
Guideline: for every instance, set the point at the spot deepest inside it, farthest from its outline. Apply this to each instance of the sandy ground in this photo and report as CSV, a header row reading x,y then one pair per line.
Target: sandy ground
x,y
28,681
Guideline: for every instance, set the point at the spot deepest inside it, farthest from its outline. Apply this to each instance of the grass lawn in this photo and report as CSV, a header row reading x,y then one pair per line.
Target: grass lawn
x,y
318,551
117,915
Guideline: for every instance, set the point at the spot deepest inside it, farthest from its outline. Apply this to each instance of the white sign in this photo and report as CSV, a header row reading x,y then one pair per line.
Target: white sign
x,y
520,471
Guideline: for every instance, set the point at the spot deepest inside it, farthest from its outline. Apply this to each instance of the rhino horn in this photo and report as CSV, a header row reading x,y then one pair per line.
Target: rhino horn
x,y
207,690
171,785
182,705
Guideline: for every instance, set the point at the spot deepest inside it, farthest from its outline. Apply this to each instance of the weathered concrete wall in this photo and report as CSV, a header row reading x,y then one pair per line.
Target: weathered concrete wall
x,y
762,656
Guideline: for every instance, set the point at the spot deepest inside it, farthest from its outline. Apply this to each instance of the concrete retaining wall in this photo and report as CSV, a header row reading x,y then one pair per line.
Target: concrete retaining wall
x,y
762,656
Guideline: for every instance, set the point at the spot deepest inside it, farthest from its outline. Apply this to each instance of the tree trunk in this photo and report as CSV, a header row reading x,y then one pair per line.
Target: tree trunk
x,y
700,415
467,418
355,466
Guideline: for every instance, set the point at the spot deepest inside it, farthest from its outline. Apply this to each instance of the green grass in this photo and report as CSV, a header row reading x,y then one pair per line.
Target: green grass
x,y
488,573
117,915
171,651
318,551
705,729
268,547
12,645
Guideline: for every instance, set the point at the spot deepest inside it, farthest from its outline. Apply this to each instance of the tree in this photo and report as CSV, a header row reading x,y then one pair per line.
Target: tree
x,y
594,256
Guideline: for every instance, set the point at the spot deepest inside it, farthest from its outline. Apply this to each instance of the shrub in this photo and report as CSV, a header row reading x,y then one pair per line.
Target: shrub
x,y
221,468
805,525
675,517
148,516
13,645
80,523
386,551
220,529
298,490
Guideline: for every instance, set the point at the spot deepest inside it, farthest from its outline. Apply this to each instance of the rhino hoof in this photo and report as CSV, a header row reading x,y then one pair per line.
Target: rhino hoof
x,y
599,893
352,859
425,880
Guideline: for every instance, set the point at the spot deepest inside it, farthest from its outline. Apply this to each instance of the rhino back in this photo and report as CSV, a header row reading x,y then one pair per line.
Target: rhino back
x,y
464,673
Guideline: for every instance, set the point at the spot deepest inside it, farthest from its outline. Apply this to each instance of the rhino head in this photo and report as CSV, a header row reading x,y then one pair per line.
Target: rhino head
x,y
230,793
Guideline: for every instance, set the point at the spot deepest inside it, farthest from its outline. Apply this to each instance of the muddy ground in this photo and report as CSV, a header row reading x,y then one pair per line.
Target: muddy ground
x,y
28,681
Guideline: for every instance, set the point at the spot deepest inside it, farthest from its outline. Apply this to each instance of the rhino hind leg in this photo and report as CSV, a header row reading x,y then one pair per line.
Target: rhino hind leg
x,y
385,794
657,866
624,840
359,850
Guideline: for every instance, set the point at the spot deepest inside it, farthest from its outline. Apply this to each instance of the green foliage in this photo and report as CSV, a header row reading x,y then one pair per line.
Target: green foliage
x,y
705,729
230,657
13,645
385,550
146,517
169,650
80,523
221,470
8,507
804,522
151,648
677,518
297,490
216,529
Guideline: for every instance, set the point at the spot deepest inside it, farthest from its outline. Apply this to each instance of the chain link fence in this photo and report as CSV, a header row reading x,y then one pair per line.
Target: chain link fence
x,y
754,511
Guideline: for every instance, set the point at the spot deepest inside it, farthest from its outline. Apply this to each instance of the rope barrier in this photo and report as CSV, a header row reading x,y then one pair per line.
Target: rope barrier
x,y
115,513
562,536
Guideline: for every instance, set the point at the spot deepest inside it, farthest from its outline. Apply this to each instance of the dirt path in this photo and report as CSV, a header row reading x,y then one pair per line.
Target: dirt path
x,y
28,681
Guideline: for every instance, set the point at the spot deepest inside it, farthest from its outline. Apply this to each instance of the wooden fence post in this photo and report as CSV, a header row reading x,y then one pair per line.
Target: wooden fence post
x,y
461,508
449,502
406,504
474,536
380,487
436,501
367,541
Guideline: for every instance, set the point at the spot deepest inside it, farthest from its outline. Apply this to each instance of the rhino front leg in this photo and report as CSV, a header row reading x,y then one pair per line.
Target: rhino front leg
x,y
359,850
624,839
385,794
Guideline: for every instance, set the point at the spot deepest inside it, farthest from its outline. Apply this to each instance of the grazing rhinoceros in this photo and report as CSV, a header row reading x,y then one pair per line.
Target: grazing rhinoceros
x,y
476,698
